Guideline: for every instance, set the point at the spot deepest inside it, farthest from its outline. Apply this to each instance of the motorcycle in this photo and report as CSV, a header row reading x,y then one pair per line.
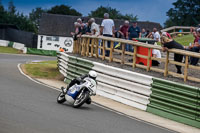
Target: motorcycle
x,y
78,94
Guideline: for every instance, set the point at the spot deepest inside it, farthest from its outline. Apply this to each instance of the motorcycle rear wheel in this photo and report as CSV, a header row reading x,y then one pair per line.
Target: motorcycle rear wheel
x,y
61,98
80,101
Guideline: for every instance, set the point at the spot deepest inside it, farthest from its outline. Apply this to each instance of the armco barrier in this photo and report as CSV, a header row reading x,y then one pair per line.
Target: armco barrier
x,y
117,84
161,97
175,101
41,52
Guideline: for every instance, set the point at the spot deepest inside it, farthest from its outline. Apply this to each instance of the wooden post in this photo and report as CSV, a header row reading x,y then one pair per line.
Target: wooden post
x,y
92,47
82,45
134,56
111,51
186,69
88,47
122,54
74,47
148,59
166,64
104,50
96,48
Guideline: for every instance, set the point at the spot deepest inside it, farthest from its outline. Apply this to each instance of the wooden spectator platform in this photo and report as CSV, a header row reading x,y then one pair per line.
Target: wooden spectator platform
x,y
89,46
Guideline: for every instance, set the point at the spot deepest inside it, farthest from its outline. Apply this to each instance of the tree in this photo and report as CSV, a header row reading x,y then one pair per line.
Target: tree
x,y
11,8
64,10
36,14
114,14
184,13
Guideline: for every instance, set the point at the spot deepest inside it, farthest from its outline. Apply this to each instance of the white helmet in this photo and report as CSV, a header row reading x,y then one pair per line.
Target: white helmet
x,y
92,74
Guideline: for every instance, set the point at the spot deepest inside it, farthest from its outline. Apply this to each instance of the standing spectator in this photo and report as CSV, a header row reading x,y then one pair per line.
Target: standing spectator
x,y
83,26
144,33
94,27
157,54
88,28
77,32
107,29
133,32
195,47
170,44
124,29
156,35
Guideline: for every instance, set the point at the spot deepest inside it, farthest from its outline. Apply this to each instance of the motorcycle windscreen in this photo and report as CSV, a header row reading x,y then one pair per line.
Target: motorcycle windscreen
x,y
73,91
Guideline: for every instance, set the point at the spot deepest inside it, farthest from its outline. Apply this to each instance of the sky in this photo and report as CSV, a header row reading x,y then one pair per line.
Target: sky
x,y
146,10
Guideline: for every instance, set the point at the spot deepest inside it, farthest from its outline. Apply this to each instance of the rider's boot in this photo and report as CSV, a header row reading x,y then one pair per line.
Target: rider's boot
x,y
89,100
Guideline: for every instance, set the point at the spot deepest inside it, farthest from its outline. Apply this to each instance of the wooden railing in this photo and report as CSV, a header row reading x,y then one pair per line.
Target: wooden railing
x,y
89,46
174,30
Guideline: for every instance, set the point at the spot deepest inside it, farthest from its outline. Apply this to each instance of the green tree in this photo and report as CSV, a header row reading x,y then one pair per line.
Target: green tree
x,y
114,14
64,10
11,8
184,13
36,14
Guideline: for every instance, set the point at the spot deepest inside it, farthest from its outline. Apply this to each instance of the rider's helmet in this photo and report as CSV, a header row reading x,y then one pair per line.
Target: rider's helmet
x,y
92,74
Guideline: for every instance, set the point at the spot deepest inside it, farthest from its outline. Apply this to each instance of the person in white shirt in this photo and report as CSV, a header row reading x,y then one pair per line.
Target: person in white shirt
x,y
107,29
157,54
94,27
156,35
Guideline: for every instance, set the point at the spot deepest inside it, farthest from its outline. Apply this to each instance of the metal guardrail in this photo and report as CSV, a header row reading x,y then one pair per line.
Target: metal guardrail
x,y
89,46
114,83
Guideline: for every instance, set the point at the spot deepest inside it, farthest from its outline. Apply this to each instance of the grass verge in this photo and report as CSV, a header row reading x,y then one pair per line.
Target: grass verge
x,y
45,69
185,40
9,50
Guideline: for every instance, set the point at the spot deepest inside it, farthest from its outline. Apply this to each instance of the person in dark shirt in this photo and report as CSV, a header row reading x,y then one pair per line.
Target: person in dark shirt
x,y
133,32
170,44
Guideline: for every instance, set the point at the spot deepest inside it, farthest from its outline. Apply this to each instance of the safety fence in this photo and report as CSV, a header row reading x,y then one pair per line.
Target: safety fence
x,y
36,51
15,45
175,101
161,97
124,86
94,46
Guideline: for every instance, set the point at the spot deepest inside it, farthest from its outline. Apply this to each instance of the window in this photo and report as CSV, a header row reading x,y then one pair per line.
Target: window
x,y
52,38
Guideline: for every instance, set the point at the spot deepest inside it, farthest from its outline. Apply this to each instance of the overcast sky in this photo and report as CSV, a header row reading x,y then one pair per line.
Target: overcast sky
x,y
147,10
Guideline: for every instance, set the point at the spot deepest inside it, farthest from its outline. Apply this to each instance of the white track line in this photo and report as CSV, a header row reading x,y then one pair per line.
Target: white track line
x,y
101,106
20,70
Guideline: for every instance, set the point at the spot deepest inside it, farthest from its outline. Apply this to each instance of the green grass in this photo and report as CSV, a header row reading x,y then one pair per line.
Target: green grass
x,y
9,50
185,40
45,69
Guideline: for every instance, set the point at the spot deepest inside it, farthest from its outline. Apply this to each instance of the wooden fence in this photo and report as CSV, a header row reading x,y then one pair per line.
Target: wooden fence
x,y
174,30
89,46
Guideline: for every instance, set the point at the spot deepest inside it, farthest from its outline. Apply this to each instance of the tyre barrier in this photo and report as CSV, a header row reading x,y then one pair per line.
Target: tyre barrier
x,y
161,97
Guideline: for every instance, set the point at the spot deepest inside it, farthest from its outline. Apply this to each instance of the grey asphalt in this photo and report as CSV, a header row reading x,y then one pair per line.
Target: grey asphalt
x,y
28,107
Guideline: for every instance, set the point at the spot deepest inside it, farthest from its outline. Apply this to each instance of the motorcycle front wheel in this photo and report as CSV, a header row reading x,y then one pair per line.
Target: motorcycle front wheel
x,y
61,98
81,99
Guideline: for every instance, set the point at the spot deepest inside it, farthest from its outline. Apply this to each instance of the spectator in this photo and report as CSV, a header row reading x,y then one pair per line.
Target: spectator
x,y
195,47
156,35
170,44
94,27
144,33
88,28
156,53
124,29
107,29
133,32
83,26
148,32
77,32
167,35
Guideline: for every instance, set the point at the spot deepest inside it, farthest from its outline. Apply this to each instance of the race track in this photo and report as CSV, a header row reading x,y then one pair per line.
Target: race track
x,y
28,107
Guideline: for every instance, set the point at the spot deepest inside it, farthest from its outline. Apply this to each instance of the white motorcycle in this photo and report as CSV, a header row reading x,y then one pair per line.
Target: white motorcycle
x,y
77,95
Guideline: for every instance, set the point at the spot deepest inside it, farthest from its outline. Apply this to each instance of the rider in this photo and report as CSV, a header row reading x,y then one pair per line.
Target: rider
x,y
92,74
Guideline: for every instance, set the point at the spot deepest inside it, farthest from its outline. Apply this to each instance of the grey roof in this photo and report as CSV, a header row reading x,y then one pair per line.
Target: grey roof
x,y
63,25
